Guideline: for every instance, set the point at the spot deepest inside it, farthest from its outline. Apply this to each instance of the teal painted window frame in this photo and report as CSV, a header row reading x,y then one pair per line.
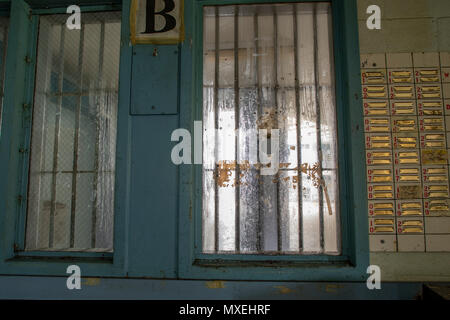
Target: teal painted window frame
x,y
16,132
351,265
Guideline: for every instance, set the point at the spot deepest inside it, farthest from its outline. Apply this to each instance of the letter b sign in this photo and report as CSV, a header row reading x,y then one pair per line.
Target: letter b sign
x,y
170,22
157,21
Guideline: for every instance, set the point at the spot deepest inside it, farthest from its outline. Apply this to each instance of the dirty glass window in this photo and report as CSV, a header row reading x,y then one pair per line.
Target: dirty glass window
x,y
269,67
4,22
72,156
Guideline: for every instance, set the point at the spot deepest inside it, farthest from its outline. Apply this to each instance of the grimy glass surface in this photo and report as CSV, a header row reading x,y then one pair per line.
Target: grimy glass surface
x,y
4,22
72,159
269,67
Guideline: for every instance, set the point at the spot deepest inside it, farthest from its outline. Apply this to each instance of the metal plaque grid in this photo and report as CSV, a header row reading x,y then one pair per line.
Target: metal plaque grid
x,y
406,101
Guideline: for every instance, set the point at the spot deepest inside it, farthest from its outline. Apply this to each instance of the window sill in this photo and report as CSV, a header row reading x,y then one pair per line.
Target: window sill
x,y
101,257
270,263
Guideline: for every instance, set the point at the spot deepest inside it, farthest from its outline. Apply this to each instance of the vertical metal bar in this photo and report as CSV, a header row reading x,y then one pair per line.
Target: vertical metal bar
x,y
76,140
237,128
56,140
216,126
260,225
318,122
97,142
299,131
275,70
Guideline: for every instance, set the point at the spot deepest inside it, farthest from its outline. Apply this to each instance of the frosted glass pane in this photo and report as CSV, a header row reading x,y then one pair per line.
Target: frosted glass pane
x,y
72,164
283,54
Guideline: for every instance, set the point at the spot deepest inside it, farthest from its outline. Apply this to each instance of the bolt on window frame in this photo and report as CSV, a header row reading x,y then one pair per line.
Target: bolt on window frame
x,y
197,264
24,30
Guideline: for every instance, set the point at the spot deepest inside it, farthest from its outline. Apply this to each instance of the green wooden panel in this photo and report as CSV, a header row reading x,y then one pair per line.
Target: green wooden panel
x,y
154,87
12,123
153,202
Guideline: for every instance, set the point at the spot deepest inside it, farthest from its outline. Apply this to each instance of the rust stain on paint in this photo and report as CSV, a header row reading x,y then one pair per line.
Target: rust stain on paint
x,y
224,176
215,284
91,282
284,290
332,288
224,172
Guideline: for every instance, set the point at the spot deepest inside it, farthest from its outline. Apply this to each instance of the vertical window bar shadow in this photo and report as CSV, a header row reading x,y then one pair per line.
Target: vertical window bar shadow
x,y
56,140
299,131
318,125
237,130
76,139
260,225
97,135
216,126
275,71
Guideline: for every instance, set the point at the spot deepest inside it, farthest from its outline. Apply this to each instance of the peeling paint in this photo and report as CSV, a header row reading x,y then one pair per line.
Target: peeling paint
x,y
224,173
91,282
284,290
225,170
268,120
215,284
332,288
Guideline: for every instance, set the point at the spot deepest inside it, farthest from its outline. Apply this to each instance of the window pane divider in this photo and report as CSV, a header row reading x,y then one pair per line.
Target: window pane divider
x,y
97,139
275,76
318,126
76,141
259,112
216,125
237,129
299,130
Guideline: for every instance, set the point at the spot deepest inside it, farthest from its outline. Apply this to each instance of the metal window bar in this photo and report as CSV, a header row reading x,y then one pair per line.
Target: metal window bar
x,y
216,125
299,128
97,136
237,127
259,112
80,93
76,140
277,111
301,91
318,124
56,141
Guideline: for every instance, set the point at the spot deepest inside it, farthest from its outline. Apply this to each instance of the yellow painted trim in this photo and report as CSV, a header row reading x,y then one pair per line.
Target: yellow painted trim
x,y
133,10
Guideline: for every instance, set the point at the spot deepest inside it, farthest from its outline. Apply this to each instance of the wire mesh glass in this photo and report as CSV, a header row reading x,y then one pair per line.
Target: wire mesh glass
x,y
72,160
